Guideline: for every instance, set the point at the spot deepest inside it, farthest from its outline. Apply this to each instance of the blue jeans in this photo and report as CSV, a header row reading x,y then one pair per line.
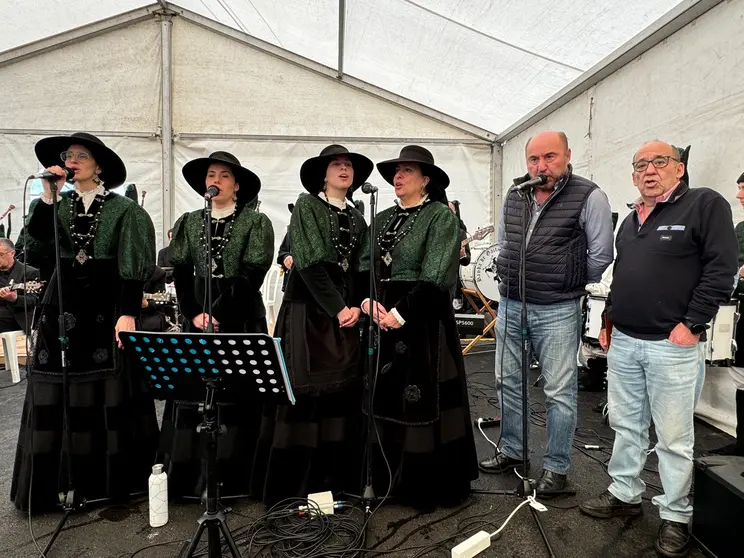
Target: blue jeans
x,y
659,380
553,332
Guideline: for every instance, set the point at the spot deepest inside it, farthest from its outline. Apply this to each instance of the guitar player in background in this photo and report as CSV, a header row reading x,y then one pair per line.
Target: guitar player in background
x,y
152,315
15,302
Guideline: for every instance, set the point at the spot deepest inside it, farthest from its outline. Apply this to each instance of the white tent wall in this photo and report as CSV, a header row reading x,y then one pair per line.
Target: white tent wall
x,y
273,114
688,90
107,84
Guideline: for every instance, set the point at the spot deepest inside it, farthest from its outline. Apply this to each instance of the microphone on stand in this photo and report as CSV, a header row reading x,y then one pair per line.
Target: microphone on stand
x,y
69,174
211,192
367,188
539,180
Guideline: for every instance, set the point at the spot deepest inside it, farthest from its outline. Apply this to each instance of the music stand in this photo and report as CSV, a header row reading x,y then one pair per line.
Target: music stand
x,y
181,366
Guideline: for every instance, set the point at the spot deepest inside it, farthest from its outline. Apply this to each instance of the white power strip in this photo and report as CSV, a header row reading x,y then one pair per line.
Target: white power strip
x,y
472,546
324,501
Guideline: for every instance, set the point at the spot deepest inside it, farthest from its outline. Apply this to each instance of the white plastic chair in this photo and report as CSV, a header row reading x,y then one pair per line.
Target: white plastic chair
x,y
10,353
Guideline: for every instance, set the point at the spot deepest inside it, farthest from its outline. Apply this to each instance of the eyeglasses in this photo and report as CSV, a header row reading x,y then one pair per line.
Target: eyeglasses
x,y
658,162
79,156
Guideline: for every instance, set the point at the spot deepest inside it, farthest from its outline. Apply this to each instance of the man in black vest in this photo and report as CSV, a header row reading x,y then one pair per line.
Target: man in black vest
x,y
676,264
568,244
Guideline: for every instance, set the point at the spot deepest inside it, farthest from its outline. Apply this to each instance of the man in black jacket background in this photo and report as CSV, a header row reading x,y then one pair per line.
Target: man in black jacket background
x,y
15,303
676,263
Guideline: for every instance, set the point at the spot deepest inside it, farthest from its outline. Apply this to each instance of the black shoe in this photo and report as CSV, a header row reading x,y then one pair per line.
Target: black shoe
x,y
550,483
673,540
606,505
499,464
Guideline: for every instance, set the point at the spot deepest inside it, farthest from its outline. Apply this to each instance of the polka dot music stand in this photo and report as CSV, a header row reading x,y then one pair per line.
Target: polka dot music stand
x,y
207,368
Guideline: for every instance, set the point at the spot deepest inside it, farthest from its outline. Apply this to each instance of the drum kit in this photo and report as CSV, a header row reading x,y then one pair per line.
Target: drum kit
x,y
720,344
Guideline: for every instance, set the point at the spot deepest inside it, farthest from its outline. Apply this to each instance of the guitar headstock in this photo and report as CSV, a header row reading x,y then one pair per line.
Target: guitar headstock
x,y
158,297
481,233
29,287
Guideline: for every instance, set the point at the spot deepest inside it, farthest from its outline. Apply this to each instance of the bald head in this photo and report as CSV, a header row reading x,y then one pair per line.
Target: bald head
x,y
659,147
548,153
550,136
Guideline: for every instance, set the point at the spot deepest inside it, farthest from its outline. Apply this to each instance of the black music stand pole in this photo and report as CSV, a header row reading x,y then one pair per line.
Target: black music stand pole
x,y
179,366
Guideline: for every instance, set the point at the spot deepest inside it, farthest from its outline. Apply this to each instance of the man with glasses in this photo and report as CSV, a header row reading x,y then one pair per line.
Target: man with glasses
x,y
676,260
15,303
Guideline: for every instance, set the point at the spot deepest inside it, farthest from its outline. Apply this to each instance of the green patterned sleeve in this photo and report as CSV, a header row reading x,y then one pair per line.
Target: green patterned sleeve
x,y
179,245
260,251
363,254
136,257
308,240
441,258
438,269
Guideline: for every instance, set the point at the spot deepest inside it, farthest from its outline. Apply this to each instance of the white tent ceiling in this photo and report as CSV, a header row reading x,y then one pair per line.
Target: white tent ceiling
x,y
487,62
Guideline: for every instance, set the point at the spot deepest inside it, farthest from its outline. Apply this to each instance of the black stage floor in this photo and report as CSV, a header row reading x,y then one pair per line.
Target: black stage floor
x,y
118,532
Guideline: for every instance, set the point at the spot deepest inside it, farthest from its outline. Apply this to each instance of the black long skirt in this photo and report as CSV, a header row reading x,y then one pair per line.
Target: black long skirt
x,y
421,408
183,449
312,446
112,419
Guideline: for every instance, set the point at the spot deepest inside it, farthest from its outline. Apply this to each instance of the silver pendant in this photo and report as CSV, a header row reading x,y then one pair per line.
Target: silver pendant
x,y
81,257
214,266
387,258
345,265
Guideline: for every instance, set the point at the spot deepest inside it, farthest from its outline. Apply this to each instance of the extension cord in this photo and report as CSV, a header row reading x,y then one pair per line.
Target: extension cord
x,y
485,422
472,546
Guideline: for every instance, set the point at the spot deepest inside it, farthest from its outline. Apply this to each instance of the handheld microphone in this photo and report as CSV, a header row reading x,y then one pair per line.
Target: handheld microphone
x,y
69,174
144,193
211,192
367,188
539,180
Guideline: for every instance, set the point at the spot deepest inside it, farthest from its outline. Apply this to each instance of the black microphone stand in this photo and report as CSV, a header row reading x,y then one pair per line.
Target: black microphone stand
x,y
208,242
368,494
72,499
525,488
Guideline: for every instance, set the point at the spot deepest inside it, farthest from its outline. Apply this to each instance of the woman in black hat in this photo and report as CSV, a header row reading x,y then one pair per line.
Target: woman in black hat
x,y
107,245
420,401
306,447
242,252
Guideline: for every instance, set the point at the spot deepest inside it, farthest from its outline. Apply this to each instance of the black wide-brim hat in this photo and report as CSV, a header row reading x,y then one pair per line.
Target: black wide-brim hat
x,y
195,173
313,171
113,171
438,179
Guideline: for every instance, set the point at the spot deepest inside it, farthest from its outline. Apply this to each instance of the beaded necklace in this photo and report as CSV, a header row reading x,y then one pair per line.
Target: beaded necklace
x,y
227,222
81,241
343,251
387,240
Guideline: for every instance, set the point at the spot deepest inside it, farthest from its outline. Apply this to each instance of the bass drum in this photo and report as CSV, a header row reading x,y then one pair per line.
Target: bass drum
x,y
485,273
720,345
467,273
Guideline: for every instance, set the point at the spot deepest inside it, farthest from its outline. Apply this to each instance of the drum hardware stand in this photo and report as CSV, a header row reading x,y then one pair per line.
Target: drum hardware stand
x,y
489,329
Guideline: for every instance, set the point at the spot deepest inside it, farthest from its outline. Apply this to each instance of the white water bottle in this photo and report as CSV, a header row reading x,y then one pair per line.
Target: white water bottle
x,y
158,485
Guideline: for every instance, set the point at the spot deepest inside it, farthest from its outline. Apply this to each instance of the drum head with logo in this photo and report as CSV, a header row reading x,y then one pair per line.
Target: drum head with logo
x,y
485,273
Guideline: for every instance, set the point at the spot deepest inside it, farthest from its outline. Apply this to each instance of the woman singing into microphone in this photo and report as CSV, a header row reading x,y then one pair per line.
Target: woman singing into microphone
x,y
242,251
420,400
107,249
306,448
